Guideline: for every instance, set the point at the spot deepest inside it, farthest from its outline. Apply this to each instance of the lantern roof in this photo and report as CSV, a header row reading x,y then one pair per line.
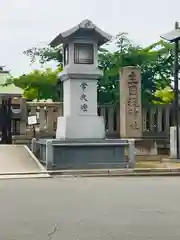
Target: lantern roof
x,y
88,28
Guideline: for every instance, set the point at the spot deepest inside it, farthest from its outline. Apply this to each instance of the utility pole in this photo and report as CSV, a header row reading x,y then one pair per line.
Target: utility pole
x,y
176,91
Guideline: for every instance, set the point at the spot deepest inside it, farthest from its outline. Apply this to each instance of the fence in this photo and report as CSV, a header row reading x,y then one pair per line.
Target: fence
x,y
157,119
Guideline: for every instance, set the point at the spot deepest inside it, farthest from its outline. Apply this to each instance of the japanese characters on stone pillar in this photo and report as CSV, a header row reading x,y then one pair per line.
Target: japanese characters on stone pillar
x,y
130,103
83,97
80,75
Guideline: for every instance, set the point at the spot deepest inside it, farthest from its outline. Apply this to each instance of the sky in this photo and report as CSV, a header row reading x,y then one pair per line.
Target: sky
x,y
34,23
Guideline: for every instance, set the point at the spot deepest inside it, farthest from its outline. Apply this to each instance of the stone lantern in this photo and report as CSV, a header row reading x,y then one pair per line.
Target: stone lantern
x,y
80,136
80,75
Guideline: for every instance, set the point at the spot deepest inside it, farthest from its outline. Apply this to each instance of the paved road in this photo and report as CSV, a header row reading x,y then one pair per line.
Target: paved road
x,y
90,209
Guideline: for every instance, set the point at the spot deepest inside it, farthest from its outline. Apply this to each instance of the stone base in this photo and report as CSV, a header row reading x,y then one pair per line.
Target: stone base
x,y
146,148
83,154
80,127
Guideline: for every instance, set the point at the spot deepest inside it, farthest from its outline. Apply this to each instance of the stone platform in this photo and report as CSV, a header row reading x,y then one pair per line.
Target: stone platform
x,y
84,154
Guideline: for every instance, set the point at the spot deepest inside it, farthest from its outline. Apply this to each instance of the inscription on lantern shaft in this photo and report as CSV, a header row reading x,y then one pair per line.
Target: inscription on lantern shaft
x,y
83,97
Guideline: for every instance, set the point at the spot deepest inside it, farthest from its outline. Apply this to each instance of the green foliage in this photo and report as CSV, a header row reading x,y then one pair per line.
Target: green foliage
x,y
39,84
155,62
164,96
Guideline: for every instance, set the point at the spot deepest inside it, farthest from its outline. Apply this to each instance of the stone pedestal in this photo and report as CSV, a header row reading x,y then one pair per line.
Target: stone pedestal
x,y
130,103
80,118
146,147
85,153
80,127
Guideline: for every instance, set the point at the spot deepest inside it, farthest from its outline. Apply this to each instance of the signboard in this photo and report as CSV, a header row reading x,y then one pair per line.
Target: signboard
x,y
32,120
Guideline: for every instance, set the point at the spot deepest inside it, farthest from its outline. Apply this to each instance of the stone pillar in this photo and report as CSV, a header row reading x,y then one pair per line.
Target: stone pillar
x,y
130,103
49,155
173,148
80,118
41,118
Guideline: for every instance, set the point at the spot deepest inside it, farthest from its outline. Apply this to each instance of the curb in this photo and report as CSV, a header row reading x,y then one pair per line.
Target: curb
x,y
117,172
15,176
170,174
23,173
98,173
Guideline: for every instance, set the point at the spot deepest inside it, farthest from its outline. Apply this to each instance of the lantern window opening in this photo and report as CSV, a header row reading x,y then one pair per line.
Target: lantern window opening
x,y
83,53
66,55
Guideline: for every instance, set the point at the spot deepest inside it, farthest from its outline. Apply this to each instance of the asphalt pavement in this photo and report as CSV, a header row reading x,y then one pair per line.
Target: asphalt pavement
x,y
18,159
90,208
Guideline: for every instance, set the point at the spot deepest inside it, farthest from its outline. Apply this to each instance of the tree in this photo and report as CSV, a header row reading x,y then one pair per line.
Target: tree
x,y
155,62
44,55
164,96
39,84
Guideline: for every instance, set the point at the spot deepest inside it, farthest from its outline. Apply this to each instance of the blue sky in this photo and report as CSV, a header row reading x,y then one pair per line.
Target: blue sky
x,y
25,24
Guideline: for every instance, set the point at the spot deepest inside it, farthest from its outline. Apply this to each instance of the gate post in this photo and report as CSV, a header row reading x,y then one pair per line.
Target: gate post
x,y
6,115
